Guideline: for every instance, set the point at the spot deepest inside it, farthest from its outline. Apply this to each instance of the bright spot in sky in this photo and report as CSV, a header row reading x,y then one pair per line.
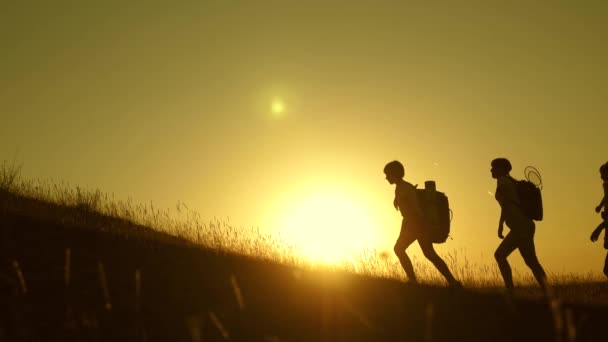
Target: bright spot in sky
x,y
277,107
328,227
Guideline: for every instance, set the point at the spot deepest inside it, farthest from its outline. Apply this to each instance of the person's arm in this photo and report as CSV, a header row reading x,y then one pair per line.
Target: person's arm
x,y
596,233
506,195
398,200
501,223
601,205
604,202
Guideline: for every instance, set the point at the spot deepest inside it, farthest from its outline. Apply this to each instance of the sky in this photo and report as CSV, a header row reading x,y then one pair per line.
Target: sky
x,y
282,114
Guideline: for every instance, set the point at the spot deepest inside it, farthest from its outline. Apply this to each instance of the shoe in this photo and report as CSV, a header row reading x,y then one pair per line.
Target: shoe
x,y
412,282
455,285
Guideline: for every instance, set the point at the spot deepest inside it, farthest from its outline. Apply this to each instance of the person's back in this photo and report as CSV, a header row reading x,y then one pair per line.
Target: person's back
x,y
406,200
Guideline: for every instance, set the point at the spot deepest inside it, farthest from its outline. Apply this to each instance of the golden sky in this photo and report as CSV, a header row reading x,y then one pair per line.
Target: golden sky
x,y
271,112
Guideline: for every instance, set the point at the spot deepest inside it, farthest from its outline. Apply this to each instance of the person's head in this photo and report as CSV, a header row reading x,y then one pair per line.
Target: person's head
x,y
500,167
394,171
604,171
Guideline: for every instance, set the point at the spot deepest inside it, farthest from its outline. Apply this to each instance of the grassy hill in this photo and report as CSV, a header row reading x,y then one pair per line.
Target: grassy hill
x,y
74,268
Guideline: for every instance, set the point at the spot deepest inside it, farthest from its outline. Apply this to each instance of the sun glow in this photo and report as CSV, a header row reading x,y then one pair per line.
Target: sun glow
x,y
327,227
277,107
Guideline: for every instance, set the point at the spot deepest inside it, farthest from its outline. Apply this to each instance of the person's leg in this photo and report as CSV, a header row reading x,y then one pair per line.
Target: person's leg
x,y
432,256
405,239
506,247
528,252
604,225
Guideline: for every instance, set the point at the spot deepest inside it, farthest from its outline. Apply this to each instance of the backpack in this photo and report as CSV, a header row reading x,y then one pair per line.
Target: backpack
x,y
437,213
530,198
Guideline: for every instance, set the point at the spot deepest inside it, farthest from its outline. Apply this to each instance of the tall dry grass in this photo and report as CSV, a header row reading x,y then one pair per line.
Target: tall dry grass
x,y
67,204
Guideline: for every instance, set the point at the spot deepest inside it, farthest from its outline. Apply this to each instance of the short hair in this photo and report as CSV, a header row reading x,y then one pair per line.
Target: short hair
x,y
502,164
395,168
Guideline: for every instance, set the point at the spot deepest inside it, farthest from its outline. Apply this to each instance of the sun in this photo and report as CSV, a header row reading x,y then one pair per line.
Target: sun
x,y
277,107
328,227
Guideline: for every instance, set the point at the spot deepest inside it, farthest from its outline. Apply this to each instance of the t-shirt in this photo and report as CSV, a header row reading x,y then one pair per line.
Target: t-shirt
x,y
605,199
506,193
407,200
508,198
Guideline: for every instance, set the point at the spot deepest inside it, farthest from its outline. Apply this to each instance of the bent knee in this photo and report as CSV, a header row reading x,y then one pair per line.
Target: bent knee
x,y
499,256
399,249
430,254
533,264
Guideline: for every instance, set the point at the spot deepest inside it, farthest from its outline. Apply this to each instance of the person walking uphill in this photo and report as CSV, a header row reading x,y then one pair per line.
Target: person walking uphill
x,y
412,227
603,208
522,227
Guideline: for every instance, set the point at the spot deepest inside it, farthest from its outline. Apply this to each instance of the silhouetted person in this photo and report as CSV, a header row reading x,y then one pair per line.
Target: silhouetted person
x,y
522,227
603,207
412,226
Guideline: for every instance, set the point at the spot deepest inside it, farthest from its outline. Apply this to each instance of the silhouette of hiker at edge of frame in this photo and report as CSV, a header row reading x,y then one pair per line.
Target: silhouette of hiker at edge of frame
x,y
603,207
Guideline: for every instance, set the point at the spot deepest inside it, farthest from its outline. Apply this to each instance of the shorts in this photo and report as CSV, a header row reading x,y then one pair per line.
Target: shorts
x,y
413,229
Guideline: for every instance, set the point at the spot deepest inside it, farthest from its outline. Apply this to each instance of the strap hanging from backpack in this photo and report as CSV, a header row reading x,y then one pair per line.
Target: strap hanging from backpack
x,y
529,173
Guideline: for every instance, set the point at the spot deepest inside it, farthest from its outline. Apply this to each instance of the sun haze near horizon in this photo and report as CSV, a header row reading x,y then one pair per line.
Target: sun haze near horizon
x,y
282,115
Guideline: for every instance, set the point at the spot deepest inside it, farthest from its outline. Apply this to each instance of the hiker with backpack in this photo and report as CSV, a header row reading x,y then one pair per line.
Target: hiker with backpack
x,y
413,226
520,222
603,208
